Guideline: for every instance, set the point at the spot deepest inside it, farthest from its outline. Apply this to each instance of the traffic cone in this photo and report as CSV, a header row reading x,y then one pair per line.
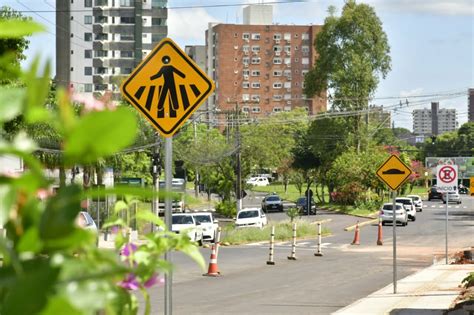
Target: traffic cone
x,y
356,240
379,237
213,270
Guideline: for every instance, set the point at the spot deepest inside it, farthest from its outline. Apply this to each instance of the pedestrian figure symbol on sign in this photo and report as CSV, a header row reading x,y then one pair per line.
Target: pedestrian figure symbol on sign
x,y
169,87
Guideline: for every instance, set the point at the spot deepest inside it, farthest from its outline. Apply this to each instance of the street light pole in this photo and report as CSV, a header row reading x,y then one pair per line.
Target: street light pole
x,y
239,170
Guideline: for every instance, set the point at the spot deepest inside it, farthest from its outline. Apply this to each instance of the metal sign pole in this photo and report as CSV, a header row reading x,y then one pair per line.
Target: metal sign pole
x,y
394,224
168,178
446,245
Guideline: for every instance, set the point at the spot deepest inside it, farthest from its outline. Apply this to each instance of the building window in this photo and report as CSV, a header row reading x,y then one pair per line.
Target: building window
x,y
158,22
305,36
276,36
126,54
276,109
255,109
277,61
246,36
255,85
159,3
245,97
126,3
255,49
287,97
88,53
88,4
100,19
101,36
127,37
277,85
245,48
255,60
100,53
87,87
100,70
127,20
277,73
303,72
245,85
246,60
245,109
88,19
255,98
255,73
256,36
287,85
88,37
305,61
125,70
277,97
287,36
287,61
88,71
246,72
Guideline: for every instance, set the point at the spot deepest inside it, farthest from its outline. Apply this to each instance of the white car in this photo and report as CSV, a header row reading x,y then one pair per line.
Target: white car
x,y
386,214
208,224
409,206
184,222
258,181
251,217
417,201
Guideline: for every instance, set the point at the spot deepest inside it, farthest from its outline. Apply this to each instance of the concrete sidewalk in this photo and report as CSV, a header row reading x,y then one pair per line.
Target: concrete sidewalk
x,y
429,291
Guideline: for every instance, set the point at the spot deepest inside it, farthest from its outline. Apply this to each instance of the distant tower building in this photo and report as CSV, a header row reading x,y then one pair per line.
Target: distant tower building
x,y
434,121
100,42
262,67
471,105
258,14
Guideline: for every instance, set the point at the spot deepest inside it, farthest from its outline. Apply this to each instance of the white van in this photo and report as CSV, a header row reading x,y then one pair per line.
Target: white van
x,y
258,181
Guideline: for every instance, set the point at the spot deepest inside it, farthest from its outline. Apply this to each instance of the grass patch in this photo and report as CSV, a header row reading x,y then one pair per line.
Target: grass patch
x,y
351,210
283,232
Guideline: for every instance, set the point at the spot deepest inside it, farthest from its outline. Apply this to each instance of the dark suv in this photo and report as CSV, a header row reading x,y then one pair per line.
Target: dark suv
x,y
302,205
434,193
272,202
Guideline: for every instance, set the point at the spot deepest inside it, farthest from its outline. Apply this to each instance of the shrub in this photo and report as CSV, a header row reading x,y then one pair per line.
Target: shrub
x,y
292,213
227,208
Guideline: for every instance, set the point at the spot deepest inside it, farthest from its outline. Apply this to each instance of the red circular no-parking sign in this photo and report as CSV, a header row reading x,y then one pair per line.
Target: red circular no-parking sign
x,y
447,174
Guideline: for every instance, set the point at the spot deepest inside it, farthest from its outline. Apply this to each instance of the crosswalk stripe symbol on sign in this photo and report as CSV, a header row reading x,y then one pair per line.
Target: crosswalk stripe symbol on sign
x,y
167,87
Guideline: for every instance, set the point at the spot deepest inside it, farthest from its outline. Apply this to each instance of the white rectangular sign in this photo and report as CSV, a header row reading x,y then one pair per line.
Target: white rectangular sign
x,y
447,177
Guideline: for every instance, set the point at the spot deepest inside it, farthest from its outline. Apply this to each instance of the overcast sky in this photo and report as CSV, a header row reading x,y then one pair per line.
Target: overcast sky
x,y
432,42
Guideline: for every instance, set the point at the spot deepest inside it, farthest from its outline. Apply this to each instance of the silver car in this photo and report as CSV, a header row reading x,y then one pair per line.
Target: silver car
x,y
386,214
409,206
453,197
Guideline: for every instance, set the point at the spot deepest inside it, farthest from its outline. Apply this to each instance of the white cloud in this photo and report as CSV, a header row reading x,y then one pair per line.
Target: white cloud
x,y
188,26
412,92
438,7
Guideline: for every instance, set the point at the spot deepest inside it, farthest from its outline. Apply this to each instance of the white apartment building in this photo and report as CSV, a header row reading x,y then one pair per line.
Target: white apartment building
x,y
102,41
424,120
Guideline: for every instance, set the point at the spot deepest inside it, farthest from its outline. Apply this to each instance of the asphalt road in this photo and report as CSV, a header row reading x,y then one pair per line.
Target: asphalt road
x,y
316,285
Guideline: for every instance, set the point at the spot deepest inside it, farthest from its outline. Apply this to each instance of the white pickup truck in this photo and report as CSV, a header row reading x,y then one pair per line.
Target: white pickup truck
x,y
178,188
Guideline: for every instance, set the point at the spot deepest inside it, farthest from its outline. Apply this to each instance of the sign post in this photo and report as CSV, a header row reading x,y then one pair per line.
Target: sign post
x,y
393,172
167,87
447,176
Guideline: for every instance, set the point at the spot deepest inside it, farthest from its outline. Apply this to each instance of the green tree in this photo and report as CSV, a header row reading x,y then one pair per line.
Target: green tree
x,y
353,52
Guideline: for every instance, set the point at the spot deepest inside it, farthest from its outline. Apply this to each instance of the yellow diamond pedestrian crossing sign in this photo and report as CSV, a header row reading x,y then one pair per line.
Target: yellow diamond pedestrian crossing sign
x,y
167,87
393,172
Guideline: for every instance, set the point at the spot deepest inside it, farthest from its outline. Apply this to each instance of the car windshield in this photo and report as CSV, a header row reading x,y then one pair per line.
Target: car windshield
x,y
273,198
301,201
415,198
182,219
248,214
203,218
390,207
404,201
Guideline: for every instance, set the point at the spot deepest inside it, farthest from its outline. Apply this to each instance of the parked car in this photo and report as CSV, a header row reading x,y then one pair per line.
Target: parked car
x,y
452,198
208,224
251,217
434,193
85,221
258,181
185,223
463,189
302,205
417,201
272,202
409,206
386,214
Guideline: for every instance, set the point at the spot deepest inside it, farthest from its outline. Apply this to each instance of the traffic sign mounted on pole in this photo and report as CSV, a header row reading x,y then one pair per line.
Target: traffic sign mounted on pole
x,y
167,87
447,176
393,172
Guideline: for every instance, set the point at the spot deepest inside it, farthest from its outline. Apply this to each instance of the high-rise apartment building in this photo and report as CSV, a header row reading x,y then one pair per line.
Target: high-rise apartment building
x,y
470,105
101,41
261,67
434,121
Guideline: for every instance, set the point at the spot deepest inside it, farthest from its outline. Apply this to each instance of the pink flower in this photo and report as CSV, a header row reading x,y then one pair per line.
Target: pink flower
x,y
128,249
92,104
154,279
130,283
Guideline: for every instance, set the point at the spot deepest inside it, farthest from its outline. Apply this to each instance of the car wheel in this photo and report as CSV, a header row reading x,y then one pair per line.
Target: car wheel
x,y
413,219
405,223
383,223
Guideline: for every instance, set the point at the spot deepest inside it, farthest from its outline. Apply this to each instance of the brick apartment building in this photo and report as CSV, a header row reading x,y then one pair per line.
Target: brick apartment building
x,y
262,67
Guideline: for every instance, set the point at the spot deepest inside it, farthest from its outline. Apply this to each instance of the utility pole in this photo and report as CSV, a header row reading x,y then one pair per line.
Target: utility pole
x,y
196,172
238,186
155,170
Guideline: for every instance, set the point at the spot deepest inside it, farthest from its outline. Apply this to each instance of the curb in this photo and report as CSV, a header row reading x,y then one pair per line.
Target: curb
x,y
321,221
351,227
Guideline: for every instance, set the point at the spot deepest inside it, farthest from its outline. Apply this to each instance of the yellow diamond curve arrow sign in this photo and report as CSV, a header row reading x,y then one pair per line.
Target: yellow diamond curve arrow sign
x,y
393,172
167,87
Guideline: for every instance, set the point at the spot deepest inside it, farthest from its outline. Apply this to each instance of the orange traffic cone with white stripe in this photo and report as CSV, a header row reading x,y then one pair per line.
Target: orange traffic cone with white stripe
x,y
356,240
213,270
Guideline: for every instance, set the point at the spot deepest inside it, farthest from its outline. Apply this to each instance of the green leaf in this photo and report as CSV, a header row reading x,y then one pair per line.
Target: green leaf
x,y
120,205
59,305
11,102
30,241
99,134
147,216
16,28
61,211
114,222
38,89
